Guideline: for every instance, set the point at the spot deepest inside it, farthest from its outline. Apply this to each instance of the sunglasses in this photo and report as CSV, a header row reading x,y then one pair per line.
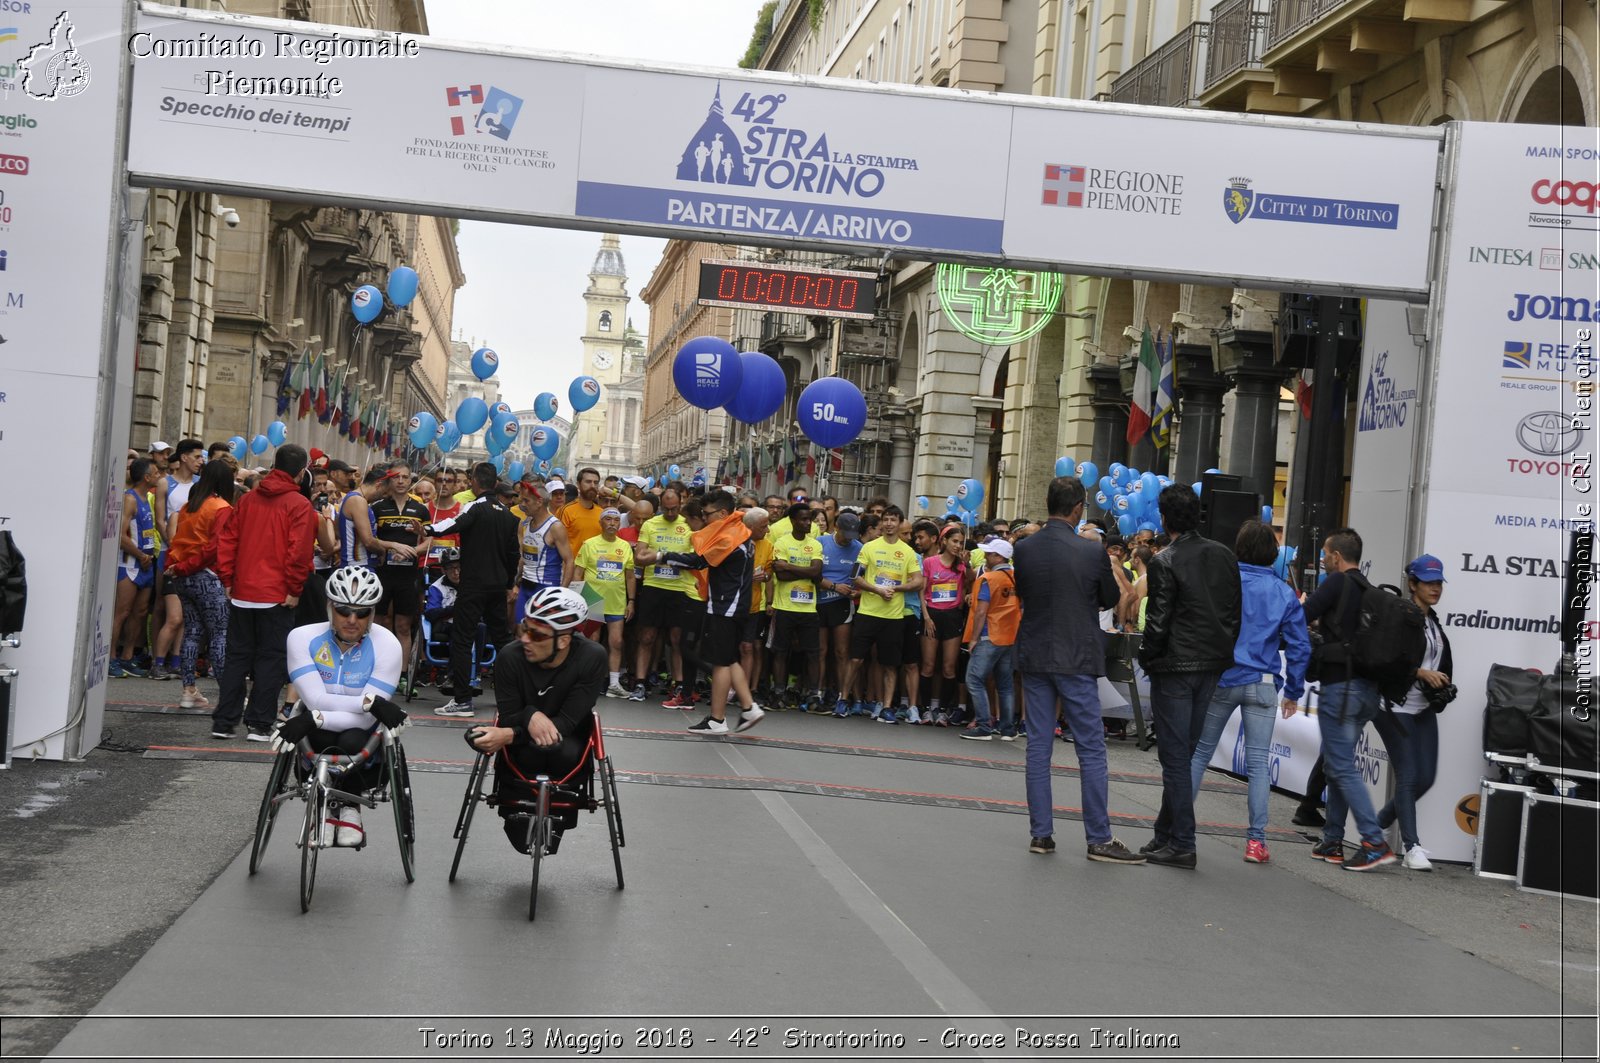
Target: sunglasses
x,y
533,634
360,613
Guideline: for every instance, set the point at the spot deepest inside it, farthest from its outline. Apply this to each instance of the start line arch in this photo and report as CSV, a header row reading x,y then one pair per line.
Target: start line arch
x,y
131,97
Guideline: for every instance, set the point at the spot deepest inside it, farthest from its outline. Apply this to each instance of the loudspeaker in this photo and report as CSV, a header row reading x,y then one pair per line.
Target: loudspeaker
x,y
1500,808
1559,854
1224,505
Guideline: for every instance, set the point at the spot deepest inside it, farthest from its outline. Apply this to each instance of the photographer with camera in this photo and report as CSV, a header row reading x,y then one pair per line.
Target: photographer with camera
x,y
1410,729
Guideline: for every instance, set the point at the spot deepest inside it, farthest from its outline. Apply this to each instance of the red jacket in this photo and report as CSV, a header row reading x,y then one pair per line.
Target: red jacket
x,y
264,550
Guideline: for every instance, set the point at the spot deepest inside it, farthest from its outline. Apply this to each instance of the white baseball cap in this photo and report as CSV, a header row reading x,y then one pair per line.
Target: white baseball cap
x,y
636,481
158,446
555,485
997,546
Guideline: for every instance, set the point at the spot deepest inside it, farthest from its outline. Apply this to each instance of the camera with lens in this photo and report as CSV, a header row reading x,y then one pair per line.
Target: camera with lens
x,y
1438,697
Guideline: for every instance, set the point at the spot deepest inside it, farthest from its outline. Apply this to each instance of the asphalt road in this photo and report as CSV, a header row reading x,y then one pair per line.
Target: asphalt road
x,y
865,877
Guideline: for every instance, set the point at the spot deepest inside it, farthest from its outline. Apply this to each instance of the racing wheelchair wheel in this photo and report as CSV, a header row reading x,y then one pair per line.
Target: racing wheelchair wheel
x,y
538,838
608,797
311,843
405,819
270,802
469,805
414,663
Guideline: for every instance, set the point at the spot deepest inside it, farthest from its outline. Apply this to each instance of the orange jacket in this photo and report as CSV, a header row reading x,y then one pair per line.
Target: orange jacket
x,y
1005,608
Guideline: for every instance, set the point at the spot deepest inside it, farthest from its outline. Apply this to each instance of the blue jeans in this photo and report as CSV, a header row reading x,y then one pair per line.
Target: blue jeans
x,y
986,658
1259,702
1178,705
1080,700
1413,745
1343,710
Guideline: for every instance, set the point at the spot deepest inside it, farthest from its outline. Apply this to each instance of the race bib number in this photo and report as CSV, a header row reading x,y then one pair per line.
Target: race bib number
x,y
885,581
664,572
609,570
800,596
944,594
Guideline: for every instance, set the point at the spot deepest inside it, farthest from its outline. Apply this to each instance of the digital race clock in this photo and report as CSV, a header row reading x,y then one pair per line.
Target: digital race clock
x,y
814,292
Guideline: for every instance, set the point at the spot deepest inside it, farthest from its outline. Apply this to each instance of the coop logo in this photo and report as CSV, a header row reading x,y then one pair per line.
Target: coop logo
x,y
14,164
494,112
1384,404
1552,308
1565,194
1239,202
1123,191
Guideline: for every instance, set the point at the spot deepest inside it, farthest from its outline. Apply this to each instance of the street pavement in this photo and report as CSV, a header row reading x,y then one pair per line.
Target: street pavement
x,y
837,883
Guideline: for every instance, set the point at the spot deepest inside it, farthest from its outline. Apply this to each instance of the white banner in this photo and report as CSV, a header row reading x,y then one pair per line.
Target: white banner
x,y
1508,465
1385,438
58,204
1290,208
238,103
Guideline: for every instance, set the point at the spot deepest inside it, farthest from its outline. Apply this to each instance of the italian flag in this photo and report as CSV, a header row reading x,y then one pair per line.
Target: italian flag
x,y
1142,409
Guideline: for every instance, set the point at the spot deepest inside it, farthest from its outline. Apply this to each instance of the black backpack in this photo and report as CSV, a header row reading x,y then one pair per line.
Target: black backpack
x,y
1388,644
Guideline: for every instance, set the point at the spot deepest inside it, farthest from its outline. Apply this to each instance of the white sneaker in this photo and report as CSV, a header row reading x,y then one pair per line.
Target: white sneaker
x,y
750,717
1417,859
616,690
196,700
344,823
456,708
913,715
709,726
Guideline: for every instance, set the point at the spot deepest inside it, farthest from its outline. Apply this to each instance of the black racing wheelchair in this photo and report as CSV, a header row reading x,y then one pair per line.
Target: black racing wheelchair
x,y
544,806
306,774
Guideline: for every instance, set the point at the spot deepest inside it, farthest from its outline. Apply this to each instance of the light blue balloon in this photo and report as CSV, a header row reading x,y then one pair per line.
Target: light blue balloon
x,y
514,471
499,462
494,442
1149,525
1266,514
449,437
366,303
1065,466
583,393
922,501
1116,469
545,406
471,415
544,469
1122,504
402,285
557,471
1102,499
484,363
1107,485
238,446
950,501
969,495
1152,486
1088,473
673,472
1198,486
422,429
544,441
1126,524
1214,470
277,432
649,483
258,445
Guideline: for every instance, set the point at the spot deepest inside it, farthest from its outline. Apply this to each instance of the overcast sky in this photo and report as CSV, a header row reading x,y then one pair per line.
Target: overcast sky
x,y
524,290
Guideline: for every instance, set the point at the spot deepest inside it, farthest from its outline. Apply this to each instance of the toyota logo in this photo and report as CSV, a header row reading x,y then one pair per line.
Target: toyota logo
x,y
1549,433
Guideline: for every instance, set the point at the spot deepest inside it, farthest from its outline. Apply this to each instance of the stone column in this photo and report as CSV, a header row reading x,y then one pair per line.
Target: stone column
x,y
1200,390
1110,414
1247,363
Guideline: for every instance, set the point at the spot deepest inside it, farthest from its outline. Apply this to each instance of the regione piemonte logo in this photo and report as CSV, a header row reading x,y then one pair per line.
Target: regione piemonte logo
x,y
54,69
1063,185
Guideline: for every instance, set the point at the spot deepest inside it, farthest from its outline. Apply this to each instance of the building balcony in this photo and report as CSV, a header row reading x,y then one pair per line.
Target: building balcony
x,y
1169,76
1235,44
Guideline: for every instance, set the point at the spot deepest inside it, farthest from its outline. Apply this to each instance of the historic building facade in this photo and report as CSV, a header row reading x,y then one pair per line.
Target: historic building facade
x,y
607,435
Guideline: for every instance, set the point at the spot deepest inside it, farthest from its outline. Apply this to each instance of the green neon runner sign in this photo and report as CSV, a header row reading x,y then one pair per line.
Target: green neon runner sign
x,y
997,306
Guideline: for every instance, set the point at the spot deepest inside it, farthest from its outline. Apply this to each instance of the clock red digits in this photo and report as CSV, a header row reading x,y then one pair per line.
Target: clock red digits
x,y
746,293
775,287
824,291
727,284
848,291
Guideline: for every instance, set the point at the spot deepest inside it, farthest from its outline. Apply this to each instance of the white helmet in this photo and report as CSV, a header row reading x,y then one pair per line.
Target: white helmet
x,y
354,585
558,608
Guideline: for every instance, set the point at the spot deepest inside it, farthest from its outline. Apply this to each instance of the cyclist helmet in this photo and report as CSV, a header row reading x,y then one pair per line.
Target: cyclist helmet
x,y
558,608
354,585
451,556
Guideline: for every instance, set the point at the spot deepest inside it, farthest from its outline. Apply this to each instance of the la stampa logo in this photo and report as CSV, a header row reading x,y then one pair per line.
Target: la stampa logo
x,y
54,69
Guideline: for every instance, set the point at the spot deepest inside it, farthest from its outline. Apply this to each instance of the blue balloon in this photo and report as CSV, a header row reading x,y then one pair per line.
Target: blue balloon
x,y
544,442
1122,504
493,441
557,471
1088,473
1116,469
258,445
366,303
402,285
1126,524
649,483
950,502
422,429
969,495
1065,466
546,406
514,471
1152,486
1107,485
471,415
673,472
583,393
544,469
1102,499
1214,470
762,391
277,432
832,412
707,372
922,501
484,363
1150,526
1266,514
500,407
1128,476
504,426
449,437
499,463
1198,486
238,446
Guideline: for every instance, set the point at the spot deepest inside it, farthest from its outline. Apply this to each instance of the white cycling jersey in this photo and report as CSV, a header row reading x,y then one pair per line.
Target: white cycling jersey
x,y
335,682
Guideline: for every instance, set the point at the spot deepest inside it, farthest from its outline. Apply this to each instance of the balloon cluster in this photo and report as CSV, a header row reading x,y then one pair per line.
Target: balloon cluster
x,y
709,373
366,302
1127,494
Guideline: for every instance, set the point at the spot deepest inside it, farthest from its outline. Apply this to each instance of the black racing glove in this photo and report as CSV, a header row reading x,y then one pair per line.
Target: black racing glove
x,y
295,728
387,713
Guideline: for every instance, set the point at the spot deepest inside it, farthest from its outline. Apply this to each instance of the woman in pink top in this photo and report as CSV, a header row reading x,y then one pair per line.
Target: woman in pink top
x,y
945,576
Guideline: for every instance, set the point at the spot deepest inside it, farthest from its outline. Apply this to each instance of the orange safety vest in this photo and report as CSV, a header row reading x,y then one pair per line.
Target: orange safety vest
x,y
1005,609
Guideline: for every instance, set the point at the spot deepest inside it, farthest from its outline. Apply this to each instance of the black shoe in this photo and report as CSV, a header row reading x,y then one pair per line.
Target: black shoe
x,y
258,734
1169,857
1042,846
1305,816
224,730
1152,846
1114,852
